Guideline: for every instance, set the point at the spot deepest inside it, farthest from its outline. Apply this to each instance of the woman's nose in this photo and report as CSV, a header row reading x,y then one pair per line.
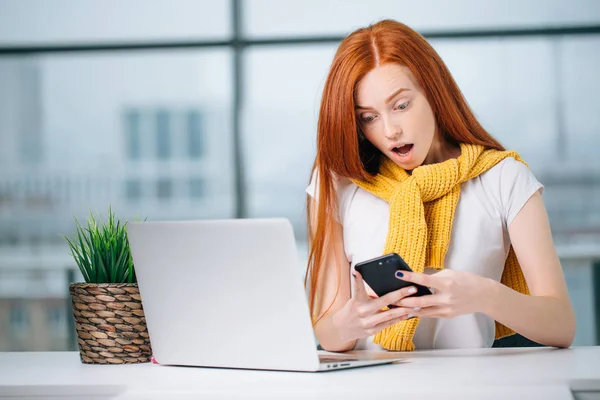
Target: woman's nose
x,y
391,131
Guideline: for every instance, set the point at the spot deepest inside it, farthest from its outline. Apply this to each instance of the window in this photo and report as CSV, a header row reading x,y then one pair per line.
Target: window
x,y
163,135
194,134
133,189
19,318
276,179
268,18
29,129
57,320
491,73
23,22
132,134
164,189
196,188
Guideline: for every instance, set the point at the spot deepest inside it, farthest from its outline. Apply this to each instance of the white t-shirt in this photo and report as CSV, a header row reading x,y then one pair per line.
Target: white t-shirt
x,y
479,242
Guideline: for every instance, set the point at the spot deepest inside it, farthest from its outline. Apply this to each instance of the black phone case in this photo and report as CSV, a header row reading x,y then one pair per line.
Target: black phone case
x,y
379,273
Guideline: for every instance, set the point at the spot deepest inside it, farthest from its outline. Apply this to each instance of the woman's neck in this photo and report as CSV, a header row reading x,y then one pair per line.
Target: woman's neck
x,y
440,151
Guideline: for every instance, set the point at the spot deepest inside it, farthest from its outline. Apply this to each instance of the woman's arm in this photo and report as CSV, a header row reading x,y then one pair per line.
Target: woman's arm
x,y
336,268
350,316
545,317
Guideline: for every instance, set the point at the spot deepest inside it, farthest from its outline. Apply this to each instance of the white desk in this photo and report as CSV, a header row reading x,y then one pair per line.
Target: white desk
x,y
539,373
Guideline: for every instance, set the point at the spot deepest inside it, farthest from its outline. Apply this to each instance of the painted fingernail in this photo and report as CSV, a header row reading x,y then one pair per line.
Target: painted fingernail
x,y
399,274
417,309
412,290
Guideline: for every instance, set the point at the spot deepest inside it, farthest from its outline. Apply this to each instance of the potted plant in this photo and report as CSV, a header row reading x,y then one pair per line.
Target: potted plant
x,y
107,308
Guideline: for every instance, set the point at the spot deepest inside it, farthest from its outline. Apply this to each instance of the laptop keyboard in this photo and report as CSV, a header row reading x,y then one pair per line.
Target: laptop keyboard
x,y
337,358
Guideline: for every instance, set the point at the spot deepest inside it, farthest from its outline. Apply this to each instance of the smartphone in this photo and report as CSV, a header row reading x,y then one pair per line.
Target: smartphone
x,y
379,273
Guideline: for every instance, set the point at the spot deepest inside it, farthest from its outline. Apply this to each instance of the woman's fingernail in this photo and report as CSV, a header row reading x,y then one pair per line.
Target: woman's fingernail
x,y
417,309
409,316
412,290
399,274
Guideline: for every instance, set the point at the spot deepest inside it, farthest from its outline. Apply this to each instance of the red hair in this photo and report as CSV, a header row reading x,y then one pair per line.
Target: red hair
x,y
339,150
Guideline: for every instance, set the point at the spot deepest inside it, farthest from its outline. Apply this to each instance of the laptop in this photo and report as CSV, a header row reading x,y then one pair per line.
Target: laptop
x,y
230,294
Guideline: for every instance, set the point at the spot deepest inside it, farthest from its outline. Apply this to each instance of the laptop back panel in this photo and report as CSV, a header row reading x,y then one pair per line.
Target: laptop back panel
x,y
224,293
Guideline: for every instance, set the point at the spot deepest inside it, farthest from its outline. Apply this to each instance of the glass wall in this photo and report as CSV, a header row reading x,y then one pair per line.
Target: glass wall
x,y
101,105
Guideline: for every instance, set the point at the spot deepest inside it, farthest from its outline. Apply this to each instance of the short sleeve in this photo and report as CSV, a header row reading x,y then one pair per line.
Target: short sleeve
x,y
313,185
517,185
340,186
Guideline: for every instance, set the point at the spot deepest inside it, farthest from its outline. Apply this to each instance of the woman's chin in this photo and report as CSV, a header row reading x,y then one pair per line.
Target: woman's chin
x,y
406,162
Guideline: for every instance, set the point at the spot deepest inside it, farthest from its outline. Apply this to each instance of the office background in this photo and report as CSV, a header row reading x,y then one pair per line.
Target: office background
x,y
188,109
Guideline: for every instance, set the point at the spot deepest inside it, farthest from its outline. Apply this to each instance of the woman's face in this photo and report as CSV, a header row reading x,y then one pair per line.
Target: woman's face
x,y
395,116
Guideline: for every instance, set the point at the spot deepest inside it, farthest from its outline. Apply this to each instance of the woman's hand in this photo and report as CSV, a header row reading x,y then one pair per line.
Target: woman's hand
x,y
455,293
362,315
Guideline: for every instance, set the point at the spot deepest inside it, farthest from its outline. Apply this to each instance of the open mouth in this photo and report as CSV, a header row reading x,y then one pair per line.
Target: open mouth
x,y
403,151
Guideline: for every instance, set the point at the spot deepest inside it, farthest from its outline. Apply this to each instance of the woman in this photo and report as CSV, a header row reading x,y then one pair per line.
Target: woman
x,y
403,166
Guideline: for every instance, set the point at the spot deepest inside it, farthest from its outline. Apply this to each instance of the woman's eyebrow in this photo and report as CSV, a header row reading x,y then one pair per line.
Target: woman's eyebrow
x,y
390,98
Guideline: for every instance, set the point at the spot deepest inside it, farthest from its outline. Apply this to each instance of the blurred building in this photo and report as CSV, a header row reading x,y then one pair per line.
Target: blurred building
x,y
34,308
161,167
34,324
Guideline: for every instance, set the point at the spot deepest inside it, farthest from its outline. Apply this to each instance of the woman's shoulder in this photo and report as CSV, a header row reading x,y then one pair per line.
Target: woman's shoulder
x,y
511,183
507,172
342,185
505,168
344,190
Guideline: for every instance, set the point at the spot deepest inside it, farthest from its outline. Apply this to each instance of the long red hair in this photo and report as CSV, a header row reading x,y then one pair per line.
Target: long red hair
x,y
339,150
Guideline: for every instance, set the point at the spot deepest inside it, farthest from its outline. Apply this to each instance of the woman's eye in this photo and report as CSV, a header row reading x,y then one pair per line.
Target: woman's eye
x,y
367,119
403,106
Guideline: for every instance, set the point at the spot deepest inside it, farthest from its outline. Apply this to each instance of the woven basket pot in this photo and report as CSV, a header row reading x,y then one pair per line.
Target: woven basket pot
x,y
110,323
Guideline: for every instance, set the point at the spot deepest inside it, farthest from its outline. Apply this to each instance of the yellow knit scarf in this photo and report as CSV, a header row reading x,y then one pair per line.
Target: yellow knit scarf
x,y
422,207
